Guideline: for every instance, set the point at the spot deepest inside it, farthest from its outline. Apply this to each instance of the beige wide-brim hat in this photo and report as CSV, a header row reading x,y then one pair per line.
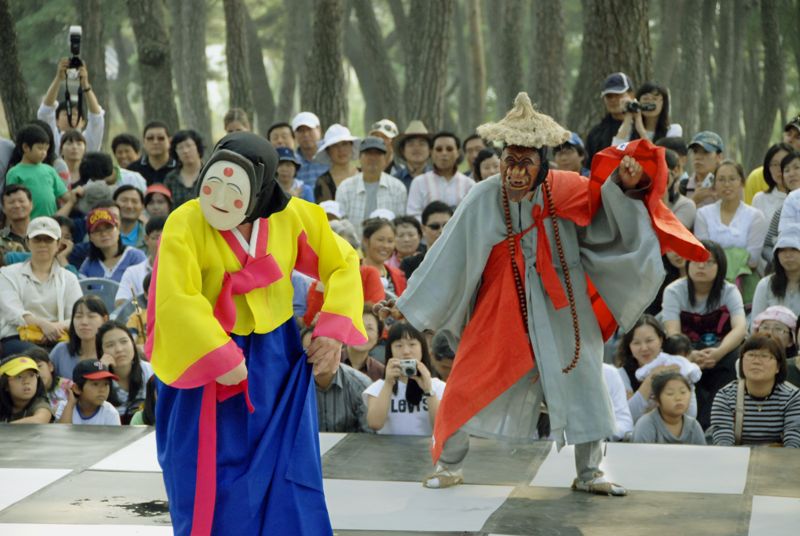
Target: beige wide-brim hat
x,y
524,126
415,129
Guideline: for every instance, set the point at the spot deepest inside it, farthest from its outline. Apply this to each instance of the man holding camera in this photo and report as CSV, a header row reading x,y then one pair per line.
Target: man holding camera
x,y
617,91
62,117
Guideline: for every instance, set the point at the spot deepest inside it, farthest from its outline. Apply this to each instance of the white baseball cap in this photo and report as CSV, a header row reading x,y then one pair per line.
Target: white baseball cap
x,y
333,208
387,127
44,225
305,119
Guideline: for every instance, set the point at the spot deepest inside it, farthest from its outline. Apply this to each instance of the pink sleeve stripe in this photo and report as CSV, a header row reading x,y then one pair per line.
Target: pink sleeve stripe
x,y
212,365
338,327
307,260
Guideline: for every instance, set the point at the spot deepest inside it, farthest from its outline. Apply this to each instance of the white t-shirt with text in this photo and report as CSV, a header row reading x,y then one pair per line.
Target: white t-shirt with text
x,y
404,419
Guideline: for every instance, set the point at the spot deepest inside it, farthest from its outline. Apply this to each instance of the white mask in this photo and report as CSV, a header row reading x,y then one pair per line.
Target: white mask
x,y
225,194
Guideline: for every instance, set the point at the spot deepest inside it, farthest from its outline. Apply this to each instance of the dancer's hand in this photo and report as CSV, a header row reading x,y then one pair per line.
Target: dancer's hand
x,y
387,308
234,376
630,172
324,353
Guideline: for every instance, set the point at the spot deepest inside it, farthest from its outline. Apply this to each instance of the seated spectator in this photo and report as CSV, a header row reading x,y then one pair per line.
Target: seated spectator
x,y
647,124
72,149
338,150
678,145
470,148
88,401
675,268
780,323
378,246
99,166
406,400
434,218
56,388
147,415
640,359
126,149
771,412
307,132
680,205
782,287
409,239
569,156
386,129
623,419
414,148
371,189
131,210
132,282
790,175
705,150
108,257
340,407
22,393
17,207
281,135
288,166
235,120
119,352
56,116
486,164
157,162
443,353
44,184
710,312
756,181
444,182
358,356
187,150
669,423
157,202
772,199
740,229
81,249
677,344
37,294
88,314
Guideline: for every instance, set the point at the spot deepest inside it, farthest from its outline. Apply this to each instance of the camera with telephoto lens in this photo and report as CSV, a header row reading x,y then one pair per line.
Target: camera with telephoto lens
x,y
408,367
636,107
75,61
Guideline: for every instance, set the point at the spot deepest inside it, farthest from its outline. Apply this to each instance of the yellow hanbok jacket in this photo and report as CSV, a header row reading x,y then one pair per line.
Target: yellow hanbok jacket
x,y
187,342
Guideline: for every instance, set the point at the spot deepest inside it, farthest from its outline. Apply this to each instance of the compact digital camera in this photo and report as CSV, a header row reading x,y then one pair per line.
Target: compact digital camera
x,y
408,367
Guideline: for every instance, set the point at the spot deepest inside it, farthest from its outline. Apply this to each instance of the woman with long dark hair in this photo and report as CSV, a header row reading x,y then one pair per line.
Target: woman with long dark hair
x,y
187,150
789,212
406,400
768,202
88,314
118,349
648,124
708,310
782,287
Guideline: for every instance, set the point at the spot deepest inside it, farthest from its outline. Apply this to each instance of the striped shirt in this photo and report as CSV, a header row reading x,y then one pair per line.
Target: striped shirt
x,y
774,419
433,187
340,407
352,196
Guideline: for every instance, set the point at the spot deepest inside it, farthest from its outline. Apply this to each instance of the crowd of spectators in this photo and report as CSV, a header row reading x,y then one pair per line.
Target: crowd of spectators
x,y
81,227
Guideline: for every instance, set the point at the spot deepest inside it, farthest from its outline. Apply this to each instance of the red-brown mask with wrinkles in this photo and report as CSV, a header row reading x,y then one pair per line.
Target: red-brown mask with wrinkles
x,y
519,167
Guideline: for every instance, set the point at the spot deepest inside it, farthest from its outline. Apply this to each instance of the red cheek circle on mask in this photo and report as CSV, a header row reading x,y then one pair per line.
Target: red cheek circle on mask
x,y
228,171
238,203
206,190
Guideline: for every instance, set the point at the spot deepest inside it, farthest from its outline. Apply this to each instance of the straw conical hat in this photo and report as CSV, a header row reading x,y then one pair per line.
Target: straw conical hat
x,y
524,126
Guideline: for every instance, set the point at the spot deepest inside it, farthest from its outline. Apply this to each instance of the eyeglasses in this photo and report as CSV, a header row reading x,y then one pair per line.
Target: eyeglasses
x,y
758,356
435,226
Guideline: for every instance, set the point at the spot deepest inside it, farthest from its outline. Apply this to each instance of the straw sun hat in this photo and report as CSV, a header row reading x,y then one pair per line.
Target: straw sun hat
x,y
526,127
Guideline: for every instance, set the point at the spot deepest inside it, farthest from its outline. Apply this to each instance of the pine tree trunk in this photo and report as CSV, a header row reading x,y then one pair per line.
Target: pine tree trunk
x,y
325,90
357,55
13,89
465,122
189,46
772,83
687,92
239,88
124,50
669,42
93,50
616,37
292,56
547,77
477,71
723,86
388,104
263,99
509,83
427,72
155,63
707,121
740,14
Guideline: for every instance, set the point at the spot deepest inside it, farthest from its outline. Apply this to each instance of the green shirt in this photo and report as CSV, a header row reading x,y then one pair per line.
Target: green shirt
x,y
43,182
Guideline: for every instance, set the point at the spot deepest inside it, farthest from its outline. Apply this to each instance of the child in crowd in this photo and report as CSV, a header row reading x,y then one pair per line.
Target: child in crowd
x,y
118,349
668,423
88,314
147,415
45,185
88,400
22,398
678,344
405,402
56,388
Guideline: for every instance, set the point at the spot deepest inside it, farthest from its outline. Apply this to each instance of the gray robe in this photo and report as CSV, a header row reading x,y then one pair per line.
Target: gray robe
x,y
620,253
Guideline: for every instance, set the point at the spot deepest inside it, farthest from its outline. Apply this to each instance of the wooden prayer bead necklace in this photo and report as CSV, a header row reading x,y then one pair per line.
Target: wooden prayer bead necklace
x,y
523,301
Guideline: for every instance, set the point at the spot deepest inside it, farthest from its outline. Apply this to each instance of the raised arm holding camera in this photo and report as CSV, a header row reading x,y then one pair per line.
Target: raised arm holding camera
x,y
61,116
